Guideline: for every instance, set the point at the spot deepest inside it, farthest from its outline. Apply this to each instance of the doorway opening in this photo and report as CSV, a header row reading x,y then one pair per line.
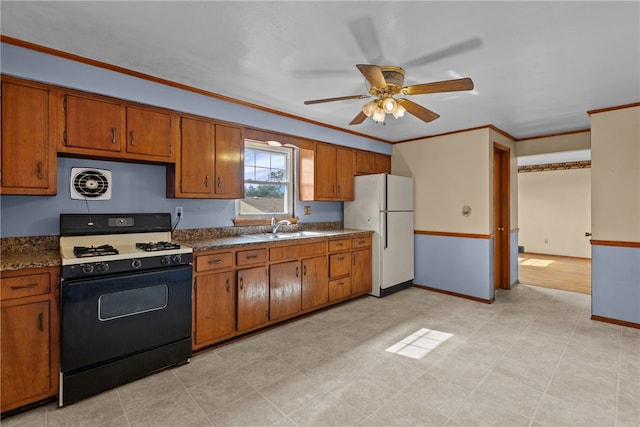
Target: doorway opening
x,y
554,220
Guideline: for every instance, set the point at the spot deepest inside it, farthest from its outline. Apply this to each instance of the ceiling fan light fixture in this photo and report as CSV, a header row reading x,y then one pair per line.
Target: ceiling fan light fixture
x,y
369,108
379,115
398,111
389,104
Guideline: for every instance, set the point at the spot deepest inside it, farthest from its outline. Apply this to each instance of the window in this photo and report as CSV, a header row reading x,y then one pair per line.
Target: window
x,y
268,189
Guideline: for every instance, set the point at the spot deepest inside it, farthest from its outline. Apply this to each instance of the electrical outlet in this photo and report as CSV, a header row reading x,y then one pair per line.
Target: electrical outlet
x,y
307,210
179,212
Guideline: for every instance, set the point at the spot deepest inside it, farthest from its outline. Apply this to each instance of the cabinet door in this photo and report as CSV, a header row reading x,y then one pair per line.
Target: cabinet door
x,y
253,298
28,152
361,278
325,172
197,157
229,162
365,163
381,163
284,290
25,353
215,307
93,124
344,174
315,282
149,132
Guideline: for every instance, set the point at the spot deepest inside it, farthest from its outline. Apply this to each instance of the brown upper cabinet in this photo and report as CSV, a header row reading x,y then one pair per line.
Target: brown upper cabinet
x,y
370,163
211,161
109,128
149,132
229,161
326,173
28,154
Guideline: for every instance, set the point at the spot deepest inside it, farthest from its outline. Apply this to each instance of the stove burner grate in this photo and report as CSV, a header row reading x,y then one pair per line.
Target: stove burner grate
x,y
90,251
157,246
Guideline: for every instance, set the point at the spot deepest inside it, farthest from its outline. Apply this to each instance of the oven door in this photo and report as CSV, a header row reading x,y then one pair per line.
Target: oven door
x,y
111,317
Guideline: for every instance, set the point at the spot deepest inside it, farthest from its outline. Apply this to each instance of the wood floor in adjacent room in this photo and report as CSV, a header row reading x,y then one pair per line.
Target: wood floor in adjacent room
x,y
557,272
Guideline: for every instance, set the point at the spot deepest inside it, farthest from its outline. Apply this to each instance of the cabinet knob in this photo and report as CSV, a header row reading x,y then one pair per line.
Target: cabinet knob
x,y
219,181
133,142
39,170
206,181
41,321
113,135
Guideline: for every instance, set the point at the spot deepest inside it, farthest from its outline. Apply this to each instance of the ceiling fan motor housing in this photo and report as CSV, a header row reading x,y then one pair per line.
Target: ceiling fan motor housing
x,y
394,76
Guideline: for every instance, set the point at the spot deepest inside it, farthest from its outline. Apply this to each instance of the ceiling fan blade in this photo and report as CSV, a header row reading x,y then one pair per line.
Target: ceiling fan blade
x,y
373,74
454,49
361,117
418,110
443,86
339,98
364,31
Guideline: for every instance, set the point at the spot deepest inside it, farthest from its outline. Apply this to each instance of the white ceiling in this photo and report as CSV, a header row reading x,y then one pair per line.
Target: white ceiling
x,y
538,67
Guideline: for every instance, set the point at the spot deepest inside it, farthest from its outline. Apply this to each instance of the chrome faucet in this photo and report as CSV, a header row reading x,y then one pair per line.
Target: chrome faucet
x,y
275,225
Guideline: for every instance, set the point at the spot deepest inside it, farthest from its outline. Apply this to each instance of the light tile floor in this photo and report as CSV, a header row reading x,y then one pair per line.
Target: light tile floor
x,y
533,358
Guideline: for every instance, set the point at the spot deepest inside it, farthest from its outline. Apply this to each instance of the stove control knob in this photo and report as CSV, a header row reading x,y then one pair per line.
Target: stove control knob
x,y
102,267
177,259
166,260
136,263
87,268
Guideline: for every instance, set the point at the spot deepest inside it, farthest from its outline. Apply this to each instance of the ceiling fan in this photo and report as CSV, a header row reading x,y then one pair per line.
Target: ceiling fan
x,y
386,81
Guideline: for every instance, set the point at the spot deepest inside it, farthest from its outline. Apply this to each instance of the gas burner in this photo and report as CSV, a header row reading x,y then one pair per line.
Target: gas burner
x,y
91,251
157,246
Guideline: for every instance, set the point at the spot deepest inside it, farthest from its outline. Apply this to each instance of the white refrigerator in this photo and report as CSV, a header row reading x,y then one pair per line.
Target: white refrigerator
x,y
384,203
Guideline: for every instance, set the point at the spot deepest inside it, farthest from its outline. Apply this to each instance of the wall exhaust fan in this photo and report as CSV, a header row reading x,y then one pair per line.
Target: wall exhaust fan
x,y
90,184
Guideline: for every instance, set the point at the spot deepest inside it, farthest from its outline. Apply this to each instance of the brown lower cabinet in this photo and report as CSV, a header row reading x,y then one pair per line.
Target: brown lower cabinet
x,y
315,292
29,343
215,307
242,289
253,298
284,290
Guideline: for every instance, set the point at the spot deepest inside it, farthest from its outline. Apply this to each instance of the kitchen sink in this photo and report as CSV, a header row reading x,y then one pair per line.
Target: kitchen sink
x,y
303,233
284,235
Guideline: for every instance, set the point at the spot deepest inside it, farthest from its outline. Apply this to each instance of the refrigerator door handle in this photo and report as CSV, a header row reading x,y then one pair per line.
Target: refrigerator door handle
x,y
384,230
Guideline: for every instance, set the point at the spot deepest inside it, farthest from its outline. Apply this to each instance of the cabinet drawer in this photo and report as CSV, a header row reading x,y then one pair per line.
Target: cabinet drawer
x,y
26,285
339,265
214,261
339,289
251,257
284,252
313,249
339,245
361,242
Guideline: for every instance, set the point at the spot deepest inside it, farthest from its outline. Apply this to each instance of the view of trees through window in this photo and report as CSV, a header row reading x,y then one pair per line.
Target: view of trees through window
x,y
266,181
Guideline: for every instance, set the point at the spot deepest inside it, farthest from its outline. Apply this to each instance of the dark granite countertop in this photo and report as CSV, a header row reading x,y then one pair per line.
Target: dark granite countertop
x,y
29,259
18,254
214,243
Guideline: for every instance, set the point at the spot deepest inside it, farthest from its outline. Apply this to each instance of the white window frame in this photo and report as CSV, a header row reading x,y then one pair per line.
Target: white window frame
x,y
288,181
